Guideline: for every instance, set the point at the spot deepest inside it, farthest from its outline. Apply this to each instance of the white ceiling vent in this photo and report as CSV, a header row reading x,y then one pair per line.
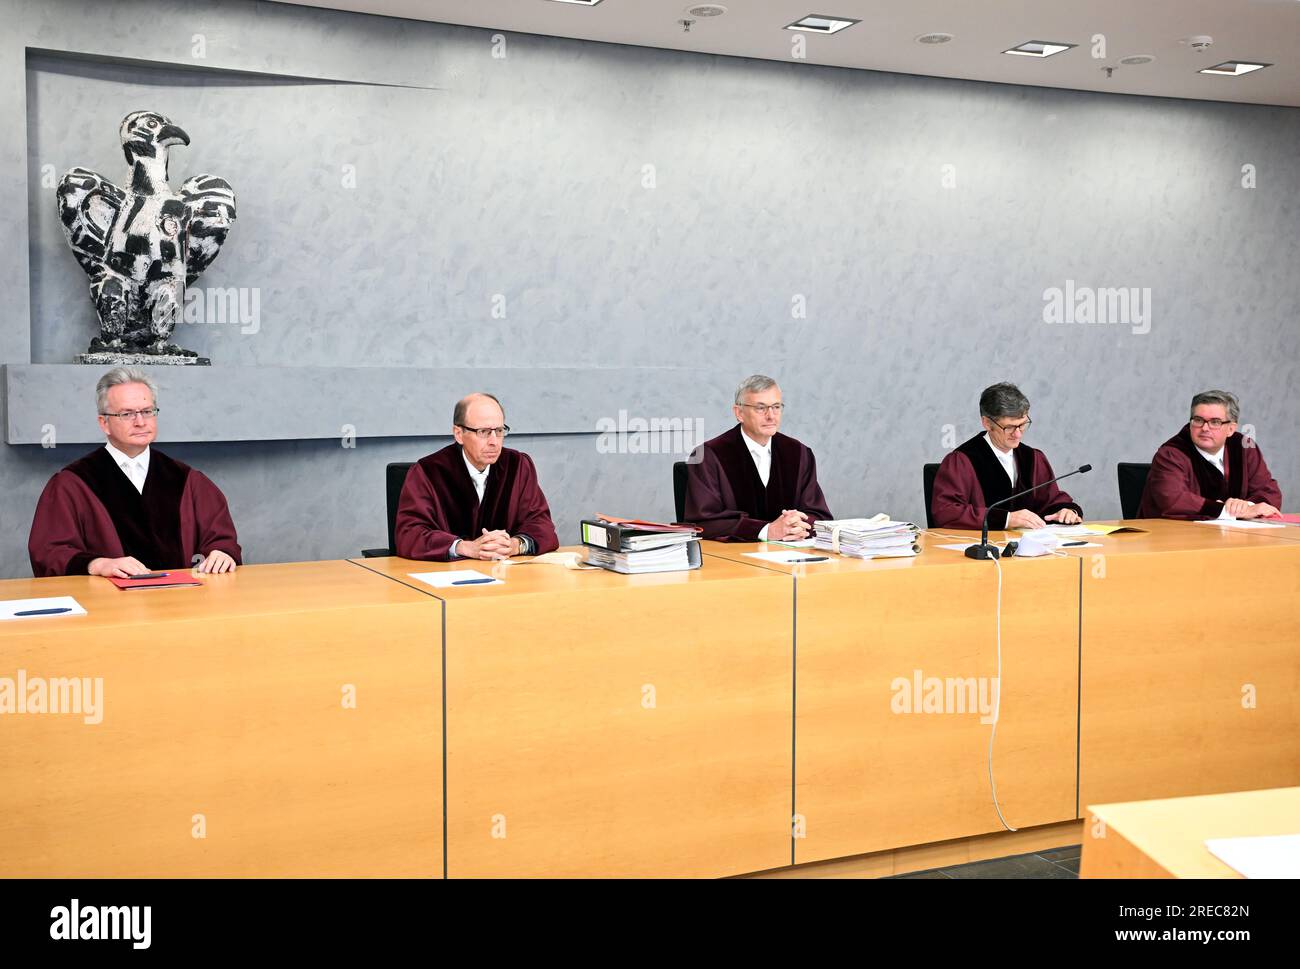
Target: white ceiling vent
x,y
702,10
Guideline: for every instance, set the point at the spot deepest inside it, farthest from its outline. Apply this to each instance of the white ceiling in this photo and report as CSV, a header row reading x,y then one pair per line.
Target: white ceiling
x,y
1256,30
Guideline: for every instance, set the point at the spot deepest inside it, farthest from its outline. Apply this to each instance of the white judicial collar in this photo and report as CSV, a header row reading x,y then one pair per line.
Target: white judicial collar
x,y
1217,461
1214,459
136,469
1008,458
762,455
478,477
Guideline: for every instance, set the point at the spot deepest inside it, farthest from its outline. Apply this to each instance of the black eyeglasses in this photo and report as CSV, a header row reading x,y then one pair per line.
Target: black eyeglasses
x,y
1009,428
486,432
1214,422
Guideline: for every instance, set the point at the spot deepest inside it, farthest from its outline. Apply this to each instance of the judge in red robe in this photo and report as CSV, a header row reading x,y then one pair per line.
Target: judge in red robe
x,y
474,498
994,465
1209,470
753,483
127,508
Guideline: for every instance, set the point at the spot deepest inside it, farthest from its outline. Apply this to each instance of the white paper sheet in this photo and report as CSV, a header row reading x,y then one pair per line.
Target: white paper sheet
x,y
787,558
9,607
1269,856
456,578
1240,523
805,543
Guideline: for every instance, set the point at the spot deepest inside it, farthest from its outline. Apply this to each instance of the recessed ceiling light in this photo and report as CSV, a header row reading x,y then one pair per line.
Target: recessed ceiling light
x,y
705,10
1038,48
582,3
1233,68
820,23
934,38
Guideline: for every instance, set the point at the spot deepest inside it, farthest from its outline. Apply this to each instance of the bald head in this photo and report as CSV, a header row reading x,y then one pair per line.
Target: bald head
x,y
460,416
475,418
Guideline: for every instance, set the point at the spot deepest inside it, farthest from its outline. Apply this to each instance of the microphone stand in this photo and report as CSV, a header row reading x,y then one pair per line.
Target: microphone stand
x,y
984,550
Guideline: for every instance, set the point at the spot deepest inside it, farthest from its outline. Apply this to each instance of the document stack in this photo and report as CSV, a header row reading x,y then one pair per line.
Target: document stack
x,y
636,547
867,538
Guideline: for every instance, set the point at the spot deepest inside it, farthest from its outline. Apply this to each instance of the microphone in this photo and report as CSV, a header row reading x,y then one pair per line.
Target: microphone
x,y
986,551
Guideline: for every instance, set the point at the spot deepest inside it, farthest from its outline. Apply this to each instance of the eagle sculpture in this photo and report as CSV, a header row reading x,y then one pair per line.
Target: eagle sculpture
x,y
143,244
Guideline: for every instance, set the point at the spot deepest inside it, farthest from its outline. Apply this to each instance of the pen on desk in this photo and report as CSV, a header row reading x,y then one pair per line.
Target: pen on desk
x,y
150,575
472,581
43,612
811,558
1072,544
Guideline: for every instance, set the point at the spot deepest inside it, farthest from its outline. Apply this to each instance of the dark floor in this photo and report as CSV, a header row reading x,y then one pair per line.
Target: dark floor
x,y
1057,863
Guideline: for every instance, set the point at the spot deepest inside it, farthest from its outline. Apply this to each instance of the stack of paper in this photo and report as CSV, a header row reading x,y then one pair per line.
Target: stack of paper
x,y
867,538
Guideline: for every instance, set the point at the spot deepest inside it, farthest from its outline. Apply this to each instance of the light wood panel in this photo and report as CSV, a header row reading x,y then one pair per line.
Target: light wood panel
x,y
869,778
228,702
1166,838
1191,671
562,762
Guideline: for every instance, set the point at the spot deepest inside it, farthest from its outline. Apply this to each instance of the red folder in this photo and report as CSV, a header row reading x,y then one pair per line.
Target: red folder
x,y
172,580
1292,519
651,526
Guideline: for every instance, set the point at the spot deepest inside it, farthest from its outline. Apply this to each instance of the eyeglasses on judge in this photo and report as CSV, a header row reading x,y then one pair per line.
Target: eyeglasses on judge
x,y
1012,428
1214,422
484,433
148,413
764,408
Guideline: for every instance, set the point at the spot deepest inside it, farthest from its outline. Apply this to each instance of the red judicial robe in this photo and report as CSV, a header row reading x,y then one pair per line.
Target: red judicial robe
x,y
971,478
725,496
91,510
439,505
1182,484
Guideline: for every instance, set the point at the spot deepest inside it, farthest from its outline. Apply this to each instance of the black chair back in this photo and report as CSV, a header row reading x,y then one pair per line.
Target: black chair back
x,y
1132,482
394,479
679,489
928,473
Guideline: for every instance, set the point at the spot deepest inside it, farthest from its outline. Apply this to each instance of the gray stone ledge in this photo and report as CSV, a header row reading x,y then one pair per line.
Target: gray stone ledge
x,y
311,403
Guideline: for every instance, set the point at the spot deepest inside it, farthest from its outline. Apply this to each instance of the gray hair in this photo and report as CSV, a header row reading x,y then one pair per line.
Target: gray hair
x,y
1003,400
462,407
1218,397
753,385
116,378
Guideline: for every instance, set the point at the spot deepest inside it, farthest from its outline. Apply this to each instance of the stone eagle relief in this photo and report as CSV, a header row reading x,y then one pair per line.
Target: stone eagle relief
x,y
143,244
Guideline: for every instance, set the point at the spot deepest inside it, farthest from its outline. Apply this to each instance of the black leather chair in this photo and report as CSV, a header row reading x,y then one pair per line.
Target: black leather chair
x,y
928,473
1132,482
679,489
395,478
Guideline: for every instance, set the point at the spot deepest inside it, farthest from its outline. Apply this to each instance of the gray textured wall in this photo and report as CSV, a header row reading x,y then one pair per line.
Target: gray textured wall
x,y
775,186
